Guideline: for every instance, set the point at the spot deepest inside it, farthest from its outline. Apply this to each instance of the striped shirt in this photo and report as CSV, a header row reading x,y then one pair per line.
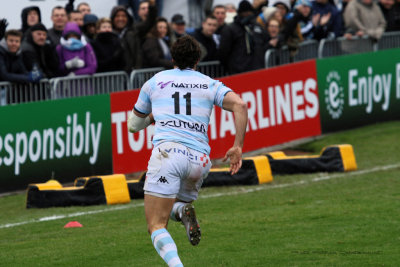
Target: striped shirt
x,y
181,102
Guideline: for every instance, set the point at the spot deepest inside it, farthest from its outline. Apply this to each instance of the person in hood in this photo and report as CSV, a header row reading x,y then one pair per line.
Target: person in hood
x,y
30,16
38,53
121,20
107,47
12,68
244,42
75,55
132,35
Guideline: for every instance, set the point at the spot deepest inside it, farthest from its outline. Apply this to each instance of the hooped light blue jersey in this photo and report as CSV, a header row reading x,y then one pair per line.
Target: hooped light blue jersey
x,y
181,102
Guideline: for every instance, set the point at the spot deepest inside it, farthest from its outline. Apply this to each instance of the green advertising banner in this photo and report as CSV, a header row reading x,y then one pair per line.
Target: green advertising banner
x,y
359,89
69,137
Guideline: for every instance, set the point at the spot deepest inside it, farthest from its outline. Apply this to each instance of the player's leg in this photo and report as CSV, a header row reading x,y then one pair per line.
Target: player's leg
x,y
157,211
161,187
183,210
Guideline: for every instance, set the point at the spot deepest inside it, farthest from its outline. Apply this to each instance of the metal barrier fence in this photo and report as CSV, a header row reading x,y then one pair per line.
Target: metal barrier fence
x,y
389,40
306,50
83,85
12,93
343,46
139,77
214,69
103,83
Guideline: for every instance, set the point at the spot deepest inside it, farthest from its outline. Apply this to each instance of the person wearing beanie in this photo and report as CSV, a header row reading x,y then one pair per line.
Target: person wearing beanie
x,y
89,26
304,8
38,54
267,14
244,42
76,56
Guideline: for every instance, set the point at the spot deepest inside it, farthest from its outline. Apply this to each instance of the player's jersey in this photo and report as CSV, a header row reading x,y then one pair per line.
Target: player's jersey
x,y
181,102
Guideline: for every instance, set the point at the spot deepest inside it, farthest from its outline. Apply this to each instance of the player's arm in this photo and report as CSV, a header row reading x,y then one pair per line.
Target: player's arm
x,y
232,102
138,121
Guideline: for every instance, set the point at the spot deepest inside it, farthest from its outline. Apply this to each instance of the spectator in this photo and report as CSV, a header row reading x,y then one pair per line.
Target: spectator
x,y
84,8
364,17
396,15
77,17
143,10
30,16
244,42
132,35
59,18
268,13
178,26
258,5
302,14
205,37
273,28
89,26
219,12
156,47
107,47
12,68
291,31
122,21
230,13
76,56
387,9
327,20
39,54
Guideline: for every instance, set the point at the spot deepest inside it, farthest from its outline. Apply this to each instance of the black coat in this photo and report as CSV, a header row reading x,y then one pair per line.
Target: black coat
x,y
153,55
109,53
240,49
12,67
209,44
43,57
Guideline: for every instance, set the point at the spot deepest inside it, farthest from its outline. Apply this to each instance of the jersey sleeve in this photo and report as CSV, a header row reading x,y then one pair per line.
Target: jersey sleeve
x,y
221,91
143,103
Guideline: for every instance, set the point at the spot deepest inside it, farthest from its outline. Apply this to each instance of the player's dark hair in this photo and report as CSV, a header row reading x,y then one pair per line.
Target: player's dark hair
x,y
185,52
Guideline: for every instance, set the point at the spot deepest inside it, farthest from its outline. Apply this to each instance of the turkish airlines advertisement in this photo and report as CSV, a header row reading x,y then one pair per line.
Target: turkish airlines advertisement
x,y
282,106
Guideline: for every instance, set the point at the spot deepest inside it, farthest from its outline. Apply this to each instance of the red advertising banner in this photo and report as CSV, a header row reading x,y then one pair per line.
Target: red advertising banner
x,y
283,106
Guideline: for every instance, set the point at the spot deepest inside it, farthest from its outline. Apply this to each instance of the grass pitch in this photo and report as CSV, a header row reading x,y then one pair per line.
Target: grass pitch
x,y
322,219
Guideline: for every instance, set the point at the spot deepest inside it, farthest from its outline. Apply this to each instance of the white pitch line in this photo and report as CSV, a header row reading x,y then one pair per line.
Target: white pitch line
x,y
242,191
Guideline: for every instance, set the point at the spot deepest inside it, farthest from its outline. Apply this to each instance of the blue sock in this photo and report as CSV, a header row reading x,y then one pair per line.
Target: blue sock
x,y
166,248
176,211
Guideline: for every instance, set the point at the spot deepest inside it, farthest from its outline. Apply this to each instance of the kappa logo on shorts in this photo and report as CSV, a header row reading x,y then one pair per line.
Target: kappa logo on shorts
x,y
163,180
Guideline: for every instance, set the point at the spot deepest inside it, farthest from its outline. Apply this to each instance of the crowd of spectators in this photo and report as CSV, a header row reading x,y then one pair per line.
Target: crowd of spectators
x,y
135,36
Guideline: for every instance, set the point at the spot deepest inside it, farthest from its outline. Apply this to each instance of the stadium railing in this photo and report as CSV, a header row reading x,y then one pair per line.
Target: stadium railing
x,y
12,93
343,46
306,50
140,76
83,85
389,40
214,69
